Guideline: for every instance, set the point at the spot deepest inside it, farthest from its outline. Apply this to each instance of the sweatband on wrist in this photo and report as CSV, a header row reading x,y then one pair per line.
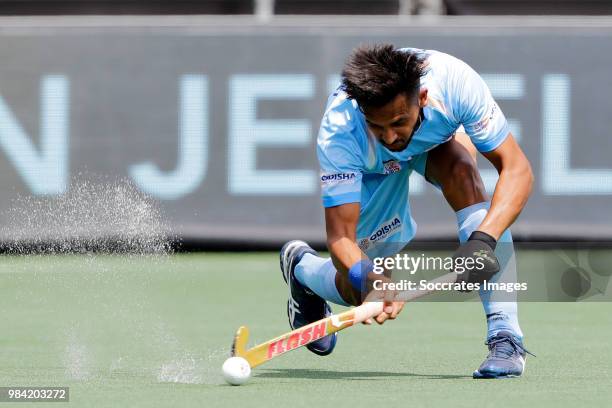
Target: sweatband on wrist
x,y
358,274
484,237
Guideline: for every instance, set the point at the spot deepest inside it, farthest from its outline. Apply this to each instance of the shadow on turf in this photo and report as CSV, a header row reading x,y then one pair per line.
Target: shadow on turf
x,y
348,375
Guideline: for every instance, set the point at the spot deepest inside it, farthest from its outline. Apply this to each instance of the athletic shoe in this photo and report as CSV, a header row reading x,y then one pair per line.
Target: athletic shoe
x,y
304,306
506,357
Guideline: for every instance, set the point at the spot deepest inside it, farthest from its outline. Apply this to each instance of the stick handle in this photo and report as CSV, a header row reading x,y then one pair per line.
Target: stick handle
x,y
370,309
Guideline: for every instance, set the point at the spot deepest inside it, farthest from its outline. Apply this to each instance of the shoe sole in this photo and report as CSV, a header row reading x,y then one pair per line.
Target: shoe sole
x,y
477,376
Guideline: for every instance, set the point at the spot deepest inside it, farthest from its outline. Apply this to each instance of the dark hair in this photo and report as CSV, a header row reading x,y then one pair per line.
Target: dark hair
x,y
374,75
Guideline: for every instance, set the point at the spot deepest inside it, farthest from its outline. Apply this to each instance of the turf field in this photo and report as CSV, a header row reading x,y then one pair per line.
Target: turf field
x,y
153,332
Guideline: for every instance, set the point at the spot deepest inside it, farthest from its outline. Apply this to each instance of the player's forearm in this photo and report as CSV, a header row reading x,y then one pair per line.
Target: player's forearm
x,y
511,194
344,252
341,228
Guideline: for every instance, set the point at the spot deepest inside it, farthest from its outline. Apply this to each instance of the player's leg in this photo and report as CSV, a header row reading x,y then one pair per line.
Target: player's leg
x,y
504,335
452,166
320,276
501,310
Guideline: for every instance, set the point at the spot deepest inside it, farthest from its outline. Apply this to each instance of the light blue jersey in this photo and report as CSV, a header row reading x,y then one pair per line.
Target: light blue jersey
x,y
355,167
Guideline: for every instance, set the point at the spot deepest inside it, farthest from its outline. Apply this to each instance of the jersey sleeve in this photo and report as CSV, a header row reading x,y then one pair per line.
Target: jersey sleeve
x,y
474,107
340,162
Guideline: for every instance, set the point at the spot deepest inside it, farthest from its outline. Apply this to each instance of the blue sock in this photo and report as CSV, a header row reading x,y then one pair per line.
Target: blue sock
x,y
319,275
502,313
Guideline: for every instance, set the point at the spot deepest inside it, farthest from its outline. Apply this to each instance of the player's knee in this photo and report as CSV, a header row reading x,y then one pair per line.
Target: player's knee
x,y
465,177
463,168
465,141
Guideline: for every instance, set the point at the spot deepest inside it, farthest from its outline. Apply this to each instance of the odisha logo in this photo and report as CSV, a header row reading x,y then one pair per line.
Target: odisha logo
x,y
386,229
338,178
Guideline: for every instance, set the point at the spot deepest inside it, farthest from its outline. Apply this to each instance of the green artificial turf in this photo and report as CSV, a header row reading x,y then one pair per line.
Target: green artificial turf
x,y
140,332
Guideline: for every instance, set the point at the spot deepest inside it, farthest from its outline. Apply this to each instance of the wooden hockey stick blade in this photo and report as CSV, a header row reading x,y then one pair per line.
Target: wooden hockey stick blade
x,y
293,339
240,341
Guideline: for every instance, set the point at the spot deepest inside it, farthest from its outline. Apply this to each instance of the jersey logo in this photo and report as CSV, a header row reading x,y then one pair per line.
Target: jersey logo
x,y
392,166
484,123
330,179
382,232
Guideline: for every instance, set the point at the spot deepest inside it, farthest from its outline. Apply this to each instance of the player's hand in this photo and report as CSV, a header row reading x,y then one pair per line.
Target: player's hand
x,y
480,249
391,307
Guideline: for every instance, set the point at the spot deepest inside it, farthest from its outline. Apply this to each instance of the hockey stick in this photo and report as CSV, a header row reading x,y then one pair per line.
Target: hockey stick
x,y
307,334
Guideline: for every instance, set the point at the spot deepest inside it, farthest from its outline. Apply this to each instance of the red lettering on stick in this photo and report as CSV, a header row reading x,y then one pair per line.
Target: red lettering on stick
x,y
272,349
293,341
297,339
318,331
306,336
